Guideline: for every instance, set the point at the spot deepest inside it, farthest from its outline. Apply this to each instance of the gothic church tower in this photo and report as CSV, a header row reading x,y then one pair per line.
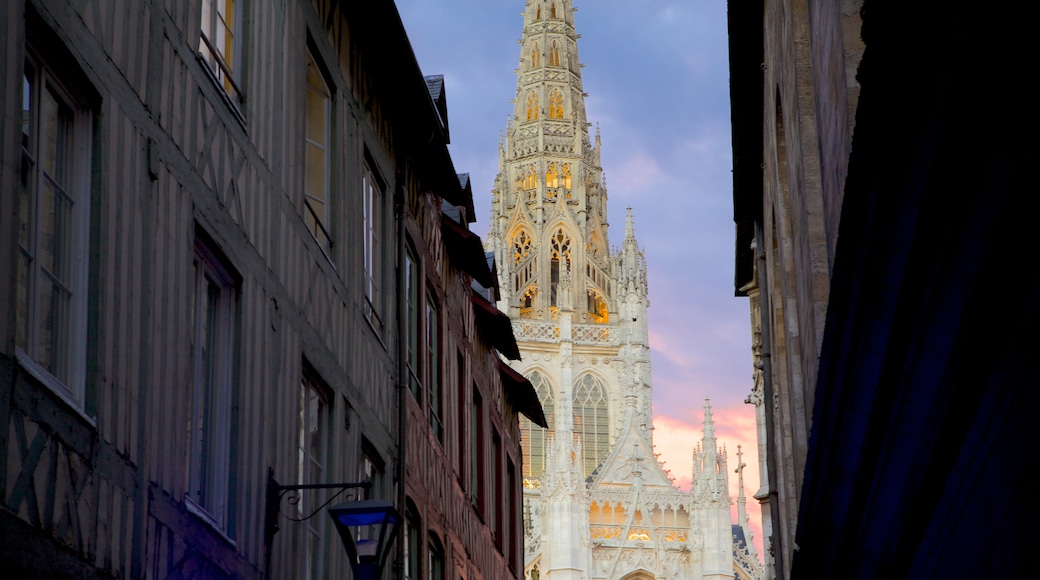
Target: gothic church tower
x,y
597,504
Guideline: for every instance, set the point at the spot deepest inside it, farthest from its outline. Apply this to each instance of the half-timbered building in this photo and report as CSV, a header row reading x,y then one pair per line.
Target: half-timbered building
x,y
235,251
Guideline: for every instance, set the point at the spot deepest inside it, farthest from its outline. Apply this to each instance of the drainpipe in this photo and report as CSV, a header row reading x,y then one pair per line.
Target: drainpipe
x,y
775,548
400,199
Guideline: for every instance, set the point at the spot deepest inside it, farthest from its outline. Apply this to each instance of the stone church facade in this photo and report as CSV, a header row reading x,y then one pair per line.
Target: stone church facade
x,y
597,503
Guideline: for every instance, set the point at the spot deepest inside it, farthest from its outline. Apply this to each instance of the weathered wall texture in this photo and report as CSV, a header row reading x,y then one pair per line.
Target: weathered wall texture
x,y
97,481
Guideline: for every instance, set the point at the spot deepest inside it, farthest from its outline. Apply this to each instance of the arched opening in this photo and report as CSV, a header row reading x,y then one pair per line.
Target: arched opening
x,y
536,55
533,439
554,54
555,105
552,176
591,421
560,251
532,106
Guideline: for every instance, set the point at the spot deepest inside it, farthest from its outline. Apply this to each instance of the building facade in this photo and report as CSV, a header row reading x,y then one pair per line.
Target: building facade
x,y
236,252
881,157
597,504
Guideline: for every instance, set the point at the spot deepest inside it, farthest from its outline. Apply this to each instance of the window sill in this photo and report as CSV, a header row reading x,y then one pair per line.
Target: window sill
x,y
203,515
54,385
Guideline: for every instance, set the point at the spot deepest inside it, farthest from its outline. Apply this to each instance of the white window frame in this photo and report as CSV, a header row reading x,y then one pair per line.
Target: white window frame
x,y
209,415
311,388
374,196
225,72
318,222
68,379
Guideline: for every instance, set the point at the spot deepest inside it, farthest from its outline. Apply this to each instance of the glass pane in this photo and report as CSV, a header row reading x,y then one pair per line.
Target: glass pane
x,y
53,328
316,177
21,336
27,95
55,232
316,116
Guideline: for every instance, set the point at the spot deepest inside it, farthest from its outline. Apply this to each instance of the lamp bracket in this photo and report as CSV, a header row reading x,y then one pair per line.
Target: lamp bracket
x,y
276,492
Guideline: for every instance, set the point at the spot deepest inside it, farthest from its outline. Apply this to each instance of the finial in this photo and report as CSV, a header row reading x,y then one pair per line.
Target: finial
x,y
709,423
740,470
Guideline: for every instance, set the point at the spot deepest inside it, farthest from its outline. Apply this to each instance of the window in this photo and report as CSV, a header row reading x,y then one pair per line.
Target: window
x,y
555,105
532,437
597,307
53,216
372,469
317,148
554,54
477,450
209,422
412,543
433,368
590,420
560,250
413,281
566,174
460,366
552,10
512,531
496,471
521,246
532,106
536,55
436,554
313,432
552,176
219,42
372,188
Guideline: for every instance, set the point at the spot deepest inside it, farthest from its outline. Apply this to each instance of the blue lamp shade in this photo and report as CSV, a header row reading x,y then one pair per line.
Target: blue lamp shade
x,y
368,512
367,555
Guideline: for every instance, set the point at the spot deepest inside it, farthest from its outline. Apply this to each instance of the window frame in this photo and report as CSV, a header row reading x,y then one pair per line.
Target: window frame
x,y
374,231
226,75
69,381
436,560
433,366
314,529
208,466
319,226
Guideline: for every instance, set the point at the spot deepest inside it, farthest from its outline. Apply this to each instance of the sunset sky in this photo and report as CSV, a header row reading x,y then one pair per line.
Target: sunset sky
x,y
658,83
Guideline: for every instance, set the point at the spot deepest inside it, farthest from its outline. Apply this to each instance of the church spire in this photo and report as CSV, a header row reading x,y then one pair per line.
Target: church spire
x,y
549,207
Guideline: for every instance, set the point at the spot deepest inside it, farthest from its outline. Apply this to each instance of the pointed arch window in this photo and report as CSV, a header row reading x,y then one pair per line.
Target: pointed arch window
x,y
530,178
534,439
536,54
552,10
555,104
532,106
554,54
538,14
591,421
552,176
521,246
566,175
560,251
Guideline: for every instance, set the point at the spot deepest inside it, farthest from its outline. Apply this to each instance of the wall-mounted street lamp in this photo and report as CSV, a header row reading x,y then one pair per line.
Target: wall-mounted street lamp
x,y
366,527
382,521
